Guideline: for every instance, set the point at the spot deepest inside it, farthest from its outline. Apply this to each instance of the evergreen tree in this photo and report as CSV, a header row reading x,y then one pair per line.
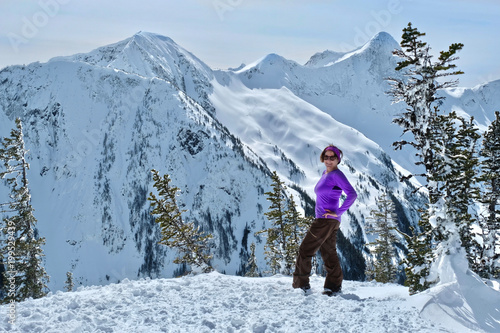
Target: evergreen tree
x,y
382,221
433,143
456,167
420,255
192,244
276,243
69,282
288,227
297,228
418,89
253,270
461,186
487,259
21,248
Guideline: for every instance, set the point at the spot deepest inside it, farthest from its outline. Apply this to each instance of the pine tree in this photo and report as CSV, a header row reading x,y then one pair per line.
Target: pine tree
x,y
276,243
420,256
69,282
456,167
462,190
297,228
192,244
253,270
22,247
418,89
487,261
288,227
382,221
422,78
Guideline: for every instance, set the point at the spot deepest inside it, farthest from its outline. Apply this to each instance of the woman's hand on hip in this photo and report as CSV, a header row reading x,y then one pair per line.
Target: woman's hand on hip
x,y
329,213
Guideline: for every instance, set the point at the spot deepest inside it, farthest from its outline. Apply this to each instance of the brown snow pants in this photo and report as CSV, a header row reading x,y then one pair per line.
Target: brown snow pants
x,y
322,235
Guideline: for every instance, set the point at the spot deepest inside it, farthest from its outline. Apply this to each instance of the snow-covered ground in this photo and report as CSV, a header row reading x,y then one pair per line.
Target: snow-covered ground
x,y
221,303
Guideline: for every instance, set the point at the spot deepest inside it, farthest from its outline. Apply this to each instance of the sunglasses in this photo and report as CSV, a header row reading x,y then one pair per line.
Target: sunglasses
x,y
331,158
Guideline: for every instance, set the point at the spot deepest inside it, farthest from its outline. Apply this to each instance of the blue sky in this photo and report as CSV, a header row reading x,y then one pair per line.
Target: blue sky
x,y
226,33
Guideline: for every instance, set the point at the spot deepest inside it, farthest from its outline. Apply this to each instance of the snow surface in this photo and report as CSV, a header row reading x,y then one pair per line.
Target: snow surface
x,y
222,303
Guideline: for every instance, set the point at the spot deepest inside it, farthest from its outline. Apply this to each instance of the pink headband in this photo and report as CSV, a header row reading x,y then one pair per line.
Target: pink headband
x,y
335,150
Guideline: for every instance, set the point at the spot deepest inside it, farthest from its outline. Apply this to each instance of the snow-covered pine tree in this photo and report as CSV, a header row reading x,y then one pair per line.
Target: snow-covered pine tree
x,y
487,261
192,244
456,167
420,256
382,221
462,190
418,88
253,269
456,176
21,247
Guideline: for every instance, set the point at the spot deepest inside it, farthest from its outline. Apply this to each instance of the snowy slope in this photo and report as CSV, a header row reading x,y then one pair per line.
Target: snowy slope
x,y
94,134
479,102
96,123
275,123
351,87
220,303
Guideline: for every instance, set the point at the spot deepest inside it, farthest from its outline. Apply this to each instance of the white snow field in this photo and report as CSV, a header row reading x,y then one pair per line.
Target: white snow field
x,y
222,303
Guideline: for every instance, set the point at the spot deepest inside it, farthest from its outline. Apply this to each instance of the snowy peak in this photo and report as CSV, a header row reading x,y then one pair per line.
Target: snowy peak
x,y
95,133
383,40
374,59
147,55
268,61
325,58
381,44
271,71
160,56
153,56
376,50
480,102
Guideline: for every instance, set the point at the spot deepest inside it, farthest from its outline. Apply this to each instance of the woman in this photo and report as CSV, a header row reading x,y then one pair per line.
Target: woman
x,y
322,235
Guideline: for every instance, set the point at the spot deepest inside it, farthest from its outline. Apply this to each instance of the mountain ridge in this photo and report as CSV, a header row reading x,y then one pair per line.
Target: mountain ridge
x,y
96,131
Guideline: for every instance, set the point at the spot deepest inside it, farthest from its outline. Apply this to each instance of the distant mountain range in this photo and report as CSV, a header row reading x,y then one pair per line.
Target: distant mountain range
x,y
97,123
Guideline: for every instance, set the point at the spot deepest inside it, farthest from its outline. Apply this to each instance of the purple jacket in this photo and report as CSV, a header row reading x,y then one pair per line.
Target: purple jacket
x,y
328,191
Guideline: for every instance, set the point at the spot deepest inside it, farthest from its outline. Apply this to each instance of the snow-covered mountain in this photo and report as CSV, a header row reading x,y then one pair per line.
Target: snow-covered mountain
x,y
351,87
95,132
97,123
